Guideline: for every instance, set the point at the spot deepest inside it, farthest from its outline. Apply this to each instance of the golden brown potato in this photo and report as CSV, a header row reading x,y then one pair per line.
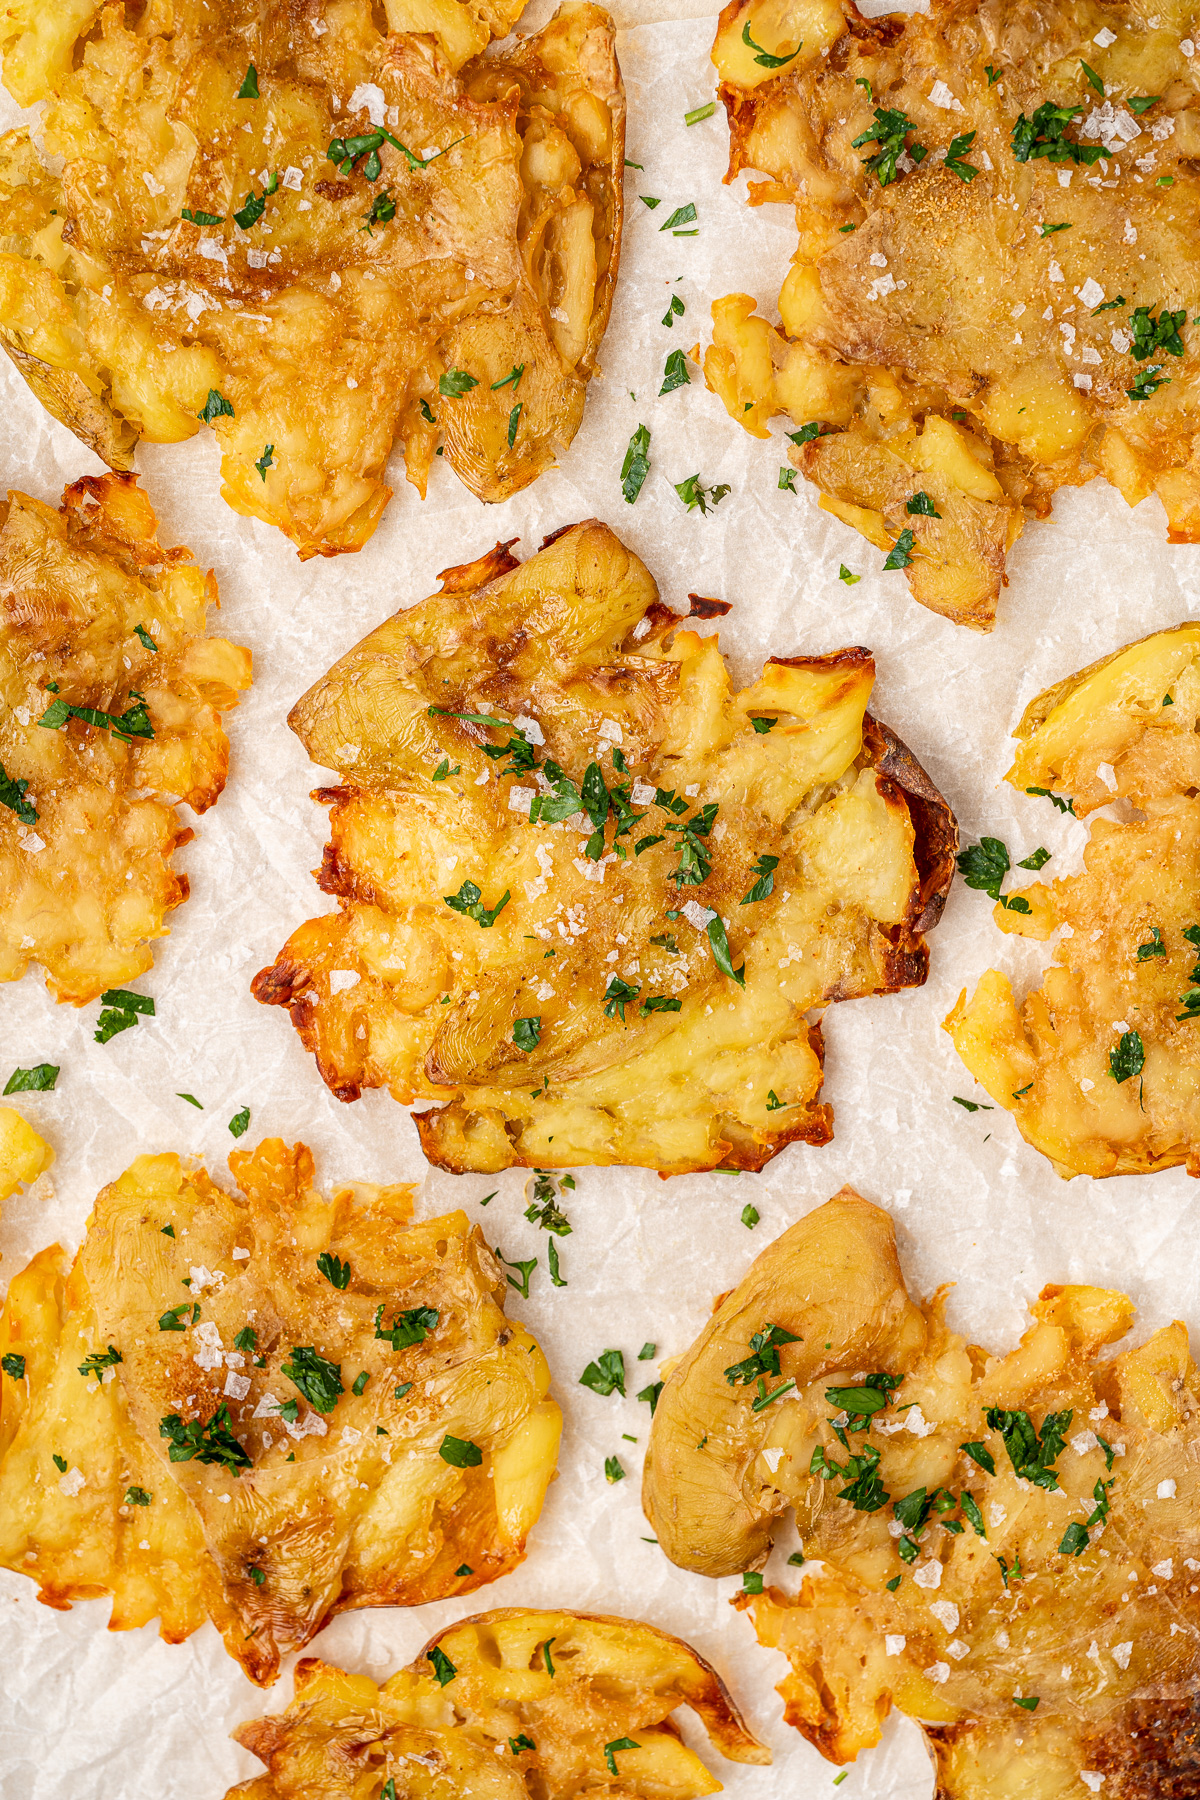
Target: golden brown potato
x,y
1006,1548
987,302
1100,1066
319,229
266,1410
589,892
96,615
23,1154
505,1706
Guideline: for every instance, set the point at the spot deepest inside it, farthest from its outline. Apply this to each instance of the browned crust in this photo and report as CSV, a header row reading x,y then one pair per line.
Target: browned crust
x,y
936,841
714,1704
703,608
464,577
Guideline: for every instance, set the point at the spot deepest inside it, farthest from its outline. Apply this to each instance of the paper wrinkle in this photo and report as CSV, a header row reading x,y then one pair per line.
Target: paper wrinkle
x,y
974,1205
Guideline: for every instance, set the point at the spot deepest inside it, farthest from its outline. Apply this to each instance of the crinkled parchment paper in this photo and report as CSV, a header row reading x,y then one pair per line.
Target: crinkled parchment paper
x,y
85,1715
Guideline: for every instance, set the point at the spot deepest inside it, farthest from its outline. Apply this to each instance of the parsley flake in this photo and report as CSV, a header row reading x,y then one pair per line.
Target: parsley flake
x,y
1127,1057
900,554
460,1453
212,1442
889,129
766,60
675,373
336,1272
319,1380
636,466
38,1080
606,1375
469,902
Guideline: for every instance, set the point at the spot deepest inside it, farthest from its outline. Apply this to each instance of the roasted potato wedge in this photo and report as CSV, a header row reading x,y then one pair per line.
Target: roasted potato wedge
x,y
23,1154
96,616
319,230
987,302
1005,1547
268,1409
589,892
506,1705
1100,1066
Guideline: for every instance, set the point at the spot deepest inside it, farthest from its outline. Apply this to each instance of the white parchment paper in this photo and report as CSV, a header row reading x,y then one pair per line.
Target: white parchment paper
x,y
85,1715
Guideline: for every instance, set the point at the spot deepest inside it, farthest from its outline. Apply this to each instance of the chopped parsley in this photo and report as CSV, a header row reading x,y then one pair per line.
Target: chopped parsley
x,y
518,1744
240,1123
764,868
456,382
984,866
469,902
954,157
382,211
1093,79
675,374
922,505
1127,1057
692,492
845,575
1037,859
249,87
460,1453
646,1353
137,1496
215,407
38,1080
1042,136
13,1365
410,1327
752,1582
617,996
443,1668
319,1380
527,1034
1030,1702
148,642
265,460
543,1208
526,1268
557,1279
1031,1453
511,379
120,1010
1107,306
762,725
360,1382
719,941
764,1357
1140,103
750,1216
621,1743
173,1319
683,215
636,466
766,60
889,130
336,1272
1060,801
134,722
443,770
1049,230
674,311
660,1003
60,1462
202,218
246,1339
971,1105
650,1395
12,795
1154,946
212,1442
612,1469
606,1375
1147,382
860,1404
774,1103
864,1490
900,554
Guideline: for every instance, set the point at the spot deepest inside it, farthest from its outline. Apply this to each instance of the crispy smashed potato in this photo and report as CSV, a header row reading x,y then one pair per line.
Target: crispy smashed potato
x,y
1008,1546
507,1705
593,928
266,1410
23,1154
995,268
96,616
1100,1066
318,229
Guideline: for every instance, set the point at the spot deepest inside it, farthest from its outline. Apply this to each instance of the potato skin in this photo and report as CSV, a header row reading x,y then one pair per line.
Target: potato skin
x,y
790,775
933,326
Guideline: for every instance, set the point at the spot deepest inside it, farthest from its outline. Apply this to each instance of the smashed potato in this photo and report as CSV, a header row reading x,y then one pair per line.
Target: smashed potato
x,y
995,268
1100,1066
111,699
592,929
509,1704
317,230
23,1154
266,1410
1007,1547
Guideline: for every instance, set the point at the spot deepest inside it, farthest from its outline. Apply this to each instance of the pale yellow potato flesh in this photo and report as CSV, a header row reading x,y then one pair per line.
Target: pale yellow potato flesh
x,y
697,1067
1107,1640
1124,729
529,1704
23,1154
313,336
87,884
339,1506
955,334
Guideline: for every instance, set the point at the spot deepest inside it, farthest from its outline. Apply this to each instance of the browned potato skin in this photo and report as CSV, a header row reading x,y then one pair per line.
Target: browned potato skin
x,y
1046,1058
425,1001
122,315
320,1511
613,1678
934,384
1106,1640
85,889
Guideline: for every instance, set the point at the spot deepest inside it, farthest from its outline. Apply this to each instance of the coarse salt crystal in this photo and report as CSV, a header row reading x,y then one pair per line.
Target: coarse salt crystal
x,y
1104,37
1164,1570
314,1426
941,96
877,260
1166,1490
238,1254
202,1278
1121,1654
1055,271
882,284
530,729
1087,1084
642,793
341,979
70,1483
1108,776
367,95
929,1575
1088,355
1187,47
773,1456
155,187
1084,382
519,798
350,1435
267,1407
1091,293
483,777
611,730
213,251
1129,235
1084,1441
1092,1778
697,915
958,1649
893,1644
1099,1412
946,1614
236,1386
938,1671
292,178
257,259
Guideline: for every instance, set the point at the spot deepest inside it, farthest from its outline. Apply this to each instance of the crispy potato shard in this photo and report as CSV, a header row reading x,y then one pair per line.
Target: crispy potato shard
x,y
508,1705
96,616
994,272
389,239
991,1531
589,891
1100,1066
265,1410
23,1154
